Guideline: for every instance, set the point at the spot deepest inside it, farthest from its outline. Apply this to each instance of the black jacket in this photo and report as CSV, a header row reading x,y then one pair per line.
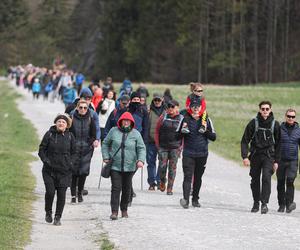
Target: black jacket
x,y
261,143
58,153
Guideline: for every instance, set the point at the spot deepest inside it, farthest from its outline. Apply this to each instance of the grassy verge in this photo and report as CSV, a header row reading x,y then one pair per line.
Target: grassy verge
x,y
17,138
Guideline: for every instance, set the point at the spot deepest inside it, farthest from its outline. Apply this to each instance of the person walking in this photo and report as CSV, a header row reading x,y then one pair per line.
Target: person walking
x,y
288,164
128,148
195,153
263,135
84,130
168,140
58,153
156,110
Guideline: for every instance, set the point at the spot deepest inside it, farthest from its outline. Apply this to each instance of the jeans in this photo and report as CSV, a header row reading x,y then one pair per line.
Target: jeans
x,y
286,174
153,174
192,167
120,182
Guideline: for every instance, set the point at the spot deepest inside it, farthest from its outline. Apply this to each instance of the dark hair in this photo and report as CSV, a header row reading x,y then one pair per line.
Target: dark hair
x,y
265,103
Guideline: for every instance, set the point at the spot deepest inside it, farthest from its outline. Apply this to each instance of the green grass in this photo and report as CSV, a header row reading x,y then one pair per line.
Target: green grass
x,y
18,138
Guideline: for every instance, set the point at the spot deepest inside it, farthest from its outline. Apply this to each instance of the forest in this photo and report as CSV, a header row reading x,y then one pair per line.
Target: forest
x,y
232,42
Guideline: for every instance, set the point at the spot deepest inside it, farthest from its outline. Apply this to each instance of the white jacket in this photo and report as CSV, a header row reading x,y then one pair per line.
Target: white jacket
x,y
109,106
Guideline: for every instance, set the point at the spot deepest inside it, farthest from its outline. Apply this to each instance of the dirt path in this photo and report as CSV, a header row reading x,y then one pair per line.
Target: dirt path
x,y
156,221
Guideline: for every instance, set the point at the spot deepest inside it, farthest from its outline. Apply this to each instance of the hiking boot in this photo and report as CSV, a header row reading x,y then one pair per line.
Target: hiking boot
x,y
48,217
184,203
185,130
291,207
169,192
151,187
202,129
162,186
114,216
57,221
85,192
196,204
264,208
281,208
255,207
73,200
124,214
80,199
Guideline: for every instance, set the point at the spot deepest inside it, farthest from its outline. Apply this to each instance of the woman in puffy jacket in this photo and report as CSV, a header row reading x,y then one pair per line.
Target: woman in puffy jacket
x,y
57,152
126,143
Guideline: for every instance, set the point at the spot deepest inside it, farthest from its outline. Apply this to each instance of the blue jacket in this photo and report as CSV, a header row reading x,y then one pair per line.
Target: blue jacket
x,y
69,95
79,79
196,143
289,141
36,87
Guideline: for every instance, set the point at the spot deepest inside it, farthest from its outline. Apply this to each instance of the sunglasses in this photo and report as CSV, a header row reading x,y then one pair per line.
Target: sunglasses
x,y
291,116
265,109
171,106
198,90
82,107
87,98
157,100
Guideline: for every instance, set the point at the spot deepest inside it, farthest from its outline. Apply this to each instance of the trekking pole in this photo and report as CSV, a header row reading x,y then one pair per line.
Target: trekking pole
x,y
100,176
142,174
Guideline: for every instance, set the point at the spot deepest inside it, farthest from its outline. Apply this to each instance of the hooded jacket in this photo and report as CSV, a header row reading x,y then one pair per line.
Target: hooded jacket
x,y
132,147
262,143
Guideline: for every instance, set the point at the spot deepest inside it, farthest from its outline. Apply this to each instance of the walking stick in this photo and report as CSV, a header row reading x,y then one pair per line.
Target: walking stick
x,y
100,176
142,174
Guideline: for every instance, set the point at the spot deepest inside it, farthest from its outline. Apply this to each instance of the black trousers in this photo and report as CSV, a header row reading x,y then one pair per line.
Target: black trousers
x,y
286,174
120,182
192,167
261,167
49,197
77,181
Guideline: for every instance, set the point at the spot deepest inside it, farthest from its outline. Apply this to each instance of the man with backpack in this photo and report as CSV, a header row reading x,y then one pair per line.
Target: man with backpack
x,y
263,134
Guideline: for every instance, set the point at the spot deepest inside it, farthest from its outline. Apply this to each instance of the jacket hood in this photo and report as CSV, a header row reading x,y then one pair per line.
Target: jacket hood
x,y
86,92
265,123
128,116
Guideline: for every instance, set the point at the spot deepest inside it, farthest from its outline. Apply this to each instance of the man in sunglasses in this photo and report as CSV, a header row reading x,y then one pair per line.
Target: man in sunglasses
x,y
288,165
263,135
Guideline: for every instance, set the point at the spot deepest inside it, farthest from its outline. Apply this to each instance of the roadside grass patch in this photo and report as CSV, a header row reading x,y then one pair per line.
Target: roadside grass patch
x,y
18,138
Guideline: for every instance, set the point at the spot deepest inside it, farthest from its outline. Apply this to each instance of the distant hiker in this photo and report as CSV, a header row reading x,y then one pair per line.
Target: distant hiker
x,y
108,85
142,90
263,134
126,89
36,88
69,94
288,164
168,140
58,153
127,144
84,130
167,96
79,80
97,97
156,109
195,153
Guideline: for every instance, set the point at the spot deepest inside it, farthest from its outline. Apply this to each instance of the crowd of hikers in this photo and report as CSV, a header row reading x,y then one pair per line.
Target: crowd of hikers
x,y
132,133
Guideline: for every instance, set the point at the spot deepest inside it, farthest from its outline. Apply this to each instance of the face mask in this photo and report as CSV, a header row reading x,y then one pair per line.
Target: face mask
x,y
126,129
134,105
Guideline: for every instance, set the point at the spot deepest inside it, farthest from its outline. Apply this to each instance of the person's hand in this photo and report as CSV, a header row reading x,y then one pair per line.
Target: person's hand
x,y
139,164
106,160
275,166
95,143
246,162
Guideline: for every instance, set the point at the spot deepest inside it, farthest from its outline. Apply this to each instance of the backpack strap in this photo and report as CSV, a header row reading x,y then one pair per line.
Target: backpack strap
x,y
272,130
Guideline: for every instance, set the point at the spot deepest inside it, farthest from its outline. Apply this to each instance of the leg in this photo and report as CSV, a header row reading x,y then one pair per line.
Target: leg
x,y
74,185
61,200
255,172
163,161
81,181
173,158
126,189
291,174
116,185
198,173
281,184
49,196
151,163
188,165
267,172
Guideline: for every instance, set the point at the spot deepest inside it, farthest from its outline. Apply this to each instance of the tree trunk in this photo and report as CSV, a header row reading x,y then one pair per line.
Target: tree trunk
x,y
286,42
255,40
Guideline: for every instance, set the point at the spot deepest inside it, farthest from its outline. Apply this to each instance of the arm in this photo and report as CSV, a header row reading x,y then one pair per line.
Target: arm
x,y
140,150
106,146
96,121
43,149
156,135
145,124
109,124
210,131
246,139
277,133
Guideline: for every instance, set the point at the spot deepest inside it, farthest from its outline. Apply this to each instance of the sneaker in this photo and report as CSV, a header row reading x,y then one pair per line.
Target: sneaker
x,y
255,207
281,208
169,193
290,207
73,200
85,192
57,221
114,216
264,208
124,214
80,199
48,217
196,204
151,187
184,203
185,130
162,186
202,129
133,194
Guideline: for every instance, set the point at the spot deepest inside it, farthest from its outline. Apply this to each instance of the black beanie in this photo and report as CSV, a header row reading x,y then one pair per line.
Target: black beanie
x,y
135,94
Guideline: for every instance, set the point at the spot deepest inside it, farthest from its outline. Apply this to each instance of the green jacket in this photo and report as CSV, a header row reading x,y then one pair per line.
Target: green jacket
x,y
134,150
